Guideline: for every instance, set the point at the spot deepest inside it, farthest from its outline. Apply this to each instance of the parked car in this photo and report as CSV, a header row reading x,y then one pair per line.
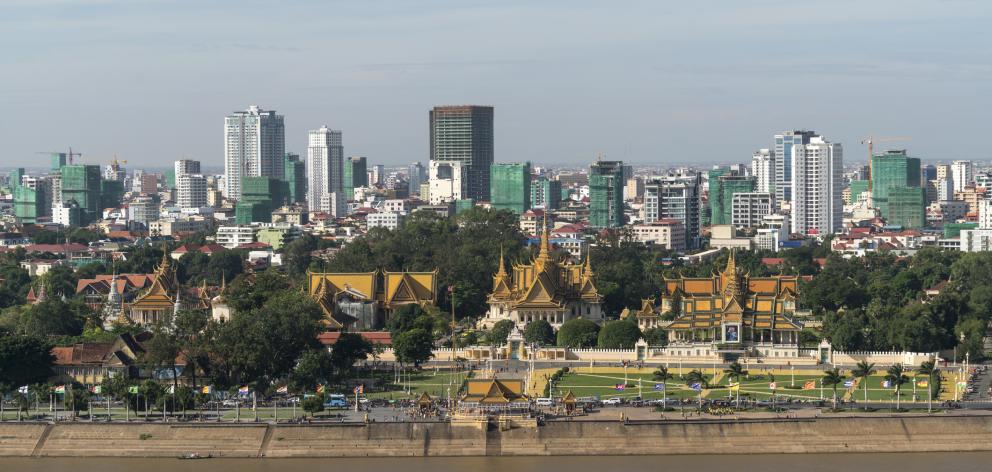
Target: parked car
x,y
615,401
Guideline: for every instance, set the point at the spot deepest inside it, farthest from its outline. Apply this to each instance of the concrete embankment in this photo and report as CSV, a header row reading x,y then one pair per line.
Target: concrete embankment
x,y
871,434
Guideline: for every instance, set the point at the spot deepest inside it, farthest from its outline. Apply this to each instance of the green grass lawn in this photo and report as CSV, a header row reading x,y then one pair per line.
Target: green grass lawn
x,y
603,386
757,386
434,383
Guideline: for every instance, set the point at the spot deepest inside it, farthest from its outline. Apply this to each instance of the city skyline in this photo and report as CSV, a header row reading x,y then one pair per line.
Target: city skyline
x,y
648,86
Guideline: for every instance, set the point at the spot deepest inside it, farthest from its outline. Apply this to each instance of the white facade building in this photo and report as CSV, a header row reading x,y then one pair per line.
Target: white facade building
x,y
234,236
669,233
389,220
817,184
254,145
763,169
976,240
325,167
963,174
191,191
186,166
749,208
448,181
985,214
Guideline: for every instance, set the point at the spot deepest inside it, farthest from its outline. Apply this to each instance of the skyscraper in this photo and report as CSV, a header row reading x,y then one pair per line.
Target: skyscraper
x,y
295,175
191,191
510,187
783,161
721,194
355,175
185,166
82,183
545,193
894,174
763,169
817,169
606,181
674,197
416,175
254,144
325,167
963,174
464,134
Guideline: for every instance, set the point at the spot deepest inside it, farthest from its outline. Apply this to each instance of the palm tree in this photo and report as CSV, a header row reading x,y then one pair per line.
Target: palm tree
x,y
736,371
662,375
696,376
896,375
928,368
832,377
864,370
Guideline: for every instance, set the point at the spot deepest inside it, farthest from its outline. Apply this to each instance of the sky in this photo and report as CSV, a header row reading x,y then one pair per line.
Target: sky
x,y
647,82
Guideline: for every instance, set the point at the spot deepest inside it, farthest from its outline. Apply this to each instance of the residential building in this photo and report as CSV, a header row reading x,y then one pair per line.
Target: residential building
x,y
191,191
963,174
377,175
254,146
389,220
763,170
724,184
260,196
234,236
817,182
143,209
178,226
448,181
726,237
896,189
355,175
325,166
971,195
750,208
985,214
510,187
186,167
278,236
634,189
784,143
464,134
668,233
674,197
82,183
976,240
416,175
31,204
545,193
606,182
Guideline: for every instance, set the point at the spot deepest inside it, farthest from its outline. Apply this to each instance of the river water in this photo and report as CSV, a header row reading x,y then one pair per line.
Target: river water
x,y
908,462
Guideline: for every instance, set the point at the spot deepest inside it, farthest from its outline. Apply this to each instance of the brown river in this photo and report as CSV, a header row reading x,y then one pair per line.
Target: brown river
x,y
910,462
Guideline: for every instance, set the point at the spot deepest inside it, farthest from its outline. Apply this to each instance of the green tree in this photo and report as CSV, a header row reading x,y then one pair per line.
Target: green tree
x,y
736,371
863,371
696,376
656,336
349,349
192,267
928,369
619,334
312,369
540,332
413,347
193,339
296,254
831,378
225,265
53,317
405,318
578,333
313,404
663,375
499,332
24,360
896,375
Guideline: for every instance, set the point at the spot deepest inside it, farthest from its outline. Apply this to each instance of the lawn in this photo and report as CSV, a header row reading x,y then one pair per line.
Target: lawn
x,y
602,384
435,383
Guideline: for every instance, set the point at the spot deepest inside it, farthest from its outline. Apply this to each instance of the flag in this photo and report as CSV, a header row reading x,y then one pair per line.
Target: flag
x,y
208,389
172,389
696,386
886,384
659,387
773,386
962,385
359,389
923,383
132,389
810,385
848,383
619,387
283,389
96,389
23,390
451,289
60,389
320,389
243,390
735,387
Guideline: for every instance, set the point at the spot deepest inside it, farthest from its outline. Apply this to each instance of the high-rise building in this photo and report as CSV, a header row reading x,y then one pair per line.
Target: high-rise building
x,y
191,191
963,174
896,171
14,177
464,134
724,183
675,197
295,176
114,171
783,161
634,189
82,183
606,183
750,209
186,166
378,174
545,193
325,166
111,193
510,187
858,191
58,159
447,182
31,203
929,172
416,175
144,209
254,145
355,175
260,196
817,183
763,169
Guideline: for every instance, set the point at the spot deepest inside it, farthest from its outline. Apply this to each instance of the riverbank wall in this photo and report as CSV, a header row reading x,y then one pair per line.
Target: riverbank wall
x,y
823,435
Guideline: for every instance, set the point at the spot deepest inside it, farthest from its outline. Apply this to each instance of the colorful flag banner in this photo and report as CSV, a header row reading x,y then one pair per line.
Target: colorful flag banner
x,y
619,387
359,389
283,389
23,390
810,385
132,389
60,389
96,389
207,389
659,387
923,383
320,389
172,389
735,387
696,386
886,384
848,383
243,390
773,386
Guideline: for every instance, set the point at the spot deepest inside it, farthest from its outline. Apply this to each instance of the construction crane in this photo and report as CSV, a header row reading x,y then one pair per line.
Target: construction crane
x,y
70,155
870,141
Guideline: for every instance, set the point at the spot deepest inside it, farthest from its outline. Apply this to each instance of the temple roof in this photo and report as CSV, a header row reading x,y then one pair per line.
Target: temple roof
x,y
494,391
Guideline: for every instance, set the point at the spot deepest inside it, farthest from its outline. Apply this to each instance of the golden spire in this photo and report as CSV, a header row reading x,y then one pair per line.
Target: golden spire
x,y
587,270
731,289
545,238
223,282
502,267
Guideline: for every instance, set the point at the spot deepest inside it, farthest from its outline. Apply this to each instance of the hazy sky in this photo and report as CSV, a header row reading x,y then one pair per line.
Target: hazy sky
x,y
649,82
